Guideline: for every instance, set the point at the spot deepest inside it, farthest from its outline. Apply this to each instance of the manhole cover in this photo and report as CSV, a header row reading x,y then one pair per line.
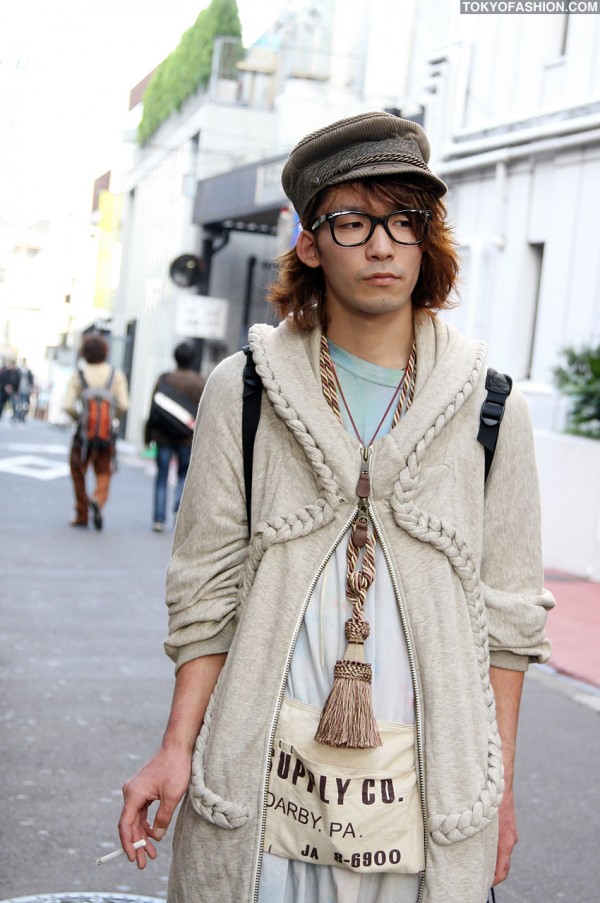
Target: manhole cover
x,y
91,897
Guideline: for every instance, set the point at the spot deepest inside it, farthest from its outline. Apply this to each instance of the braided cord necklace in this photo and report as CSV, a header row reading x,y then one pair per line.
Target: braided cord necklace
x,y
347,719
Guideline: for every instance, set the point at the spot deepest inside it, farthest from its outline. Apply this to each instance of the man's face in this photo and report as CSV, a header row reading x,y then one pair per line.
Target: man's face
x,y
377,277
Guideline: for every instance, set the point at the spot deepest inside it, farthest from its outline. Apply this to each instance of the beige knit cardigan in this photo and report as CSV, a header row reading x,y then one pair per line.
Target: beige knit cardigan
x,y
467,563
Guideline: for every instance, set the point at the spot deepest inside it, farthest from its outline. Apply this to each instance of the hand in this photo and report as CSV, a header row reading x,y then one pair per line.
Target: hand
x,y
164,778
508,836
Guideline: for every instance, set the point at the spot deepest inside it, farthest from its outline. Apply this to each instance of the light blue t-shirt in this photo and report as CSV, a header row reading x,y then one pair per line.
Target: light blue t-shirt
x,y
368,389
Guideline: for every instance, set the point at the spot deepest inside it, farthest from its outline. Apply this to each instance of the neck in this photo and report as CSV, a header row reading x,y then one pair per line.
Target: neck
x,y
383,339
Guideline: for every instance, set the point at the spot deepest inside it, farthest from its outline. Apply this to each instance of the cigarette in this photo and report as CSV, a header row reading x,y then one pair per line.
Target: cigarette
x,y
137,845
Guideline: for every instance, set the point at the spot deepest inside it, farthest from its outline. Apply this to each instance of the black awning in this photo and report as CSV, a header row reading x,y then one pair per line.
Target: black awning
x,y
246,199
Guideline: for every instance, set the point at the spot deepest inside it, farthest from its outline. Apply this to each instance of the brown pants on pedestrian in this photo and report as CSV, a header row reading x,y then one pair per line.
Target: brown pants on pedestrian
x,y
101,461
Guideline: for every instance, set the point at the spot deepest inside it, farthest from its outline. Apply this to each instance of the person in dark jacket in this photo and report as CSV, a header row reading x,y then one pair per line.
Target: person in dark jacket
x,y
169,443
9,383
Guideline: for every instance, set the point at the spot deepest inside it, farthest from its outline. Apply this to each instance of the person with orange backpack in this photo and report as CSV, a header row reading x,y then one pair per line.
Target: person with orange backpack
x,y
97,397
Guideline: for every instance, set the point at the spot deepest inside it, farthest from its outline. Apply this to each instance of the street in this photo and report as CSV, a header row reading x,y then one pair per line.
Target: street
x,y
86,688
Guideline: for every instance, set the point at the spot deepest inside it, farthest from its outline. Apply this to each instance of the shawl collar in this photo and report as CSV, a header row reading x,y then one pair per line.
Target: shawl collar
x,y
448,368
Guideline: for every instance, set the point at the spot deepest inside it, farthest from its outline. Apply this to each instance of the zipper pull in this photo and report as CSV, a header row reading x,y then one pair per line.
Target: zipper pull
x,y
363,487
360,531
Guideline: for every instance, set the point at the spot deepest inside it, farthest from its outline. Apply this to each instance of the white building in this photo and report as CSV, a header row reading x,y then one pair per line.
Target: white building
x,y
513,114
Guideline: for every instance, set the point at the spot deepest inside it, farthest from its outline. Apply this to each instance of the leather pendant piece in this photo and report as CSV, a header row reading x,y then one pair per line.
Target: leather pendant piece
x,y
363,487
360,532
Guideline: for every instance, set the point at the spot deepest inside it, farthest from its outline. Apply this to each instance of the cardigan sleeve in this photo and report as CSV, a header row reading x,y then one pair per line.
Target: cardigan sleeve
x,y
512,570
210,542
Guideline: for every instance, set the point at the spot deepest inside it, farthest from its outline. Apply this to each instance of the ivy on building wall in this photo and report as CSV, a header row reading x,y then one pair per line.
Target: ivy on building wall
x,y
189,66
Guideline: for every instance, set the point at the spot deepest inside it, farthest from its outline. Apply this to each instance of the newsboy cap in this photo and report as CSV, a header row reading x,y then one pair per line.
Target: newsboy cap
x,y
371,144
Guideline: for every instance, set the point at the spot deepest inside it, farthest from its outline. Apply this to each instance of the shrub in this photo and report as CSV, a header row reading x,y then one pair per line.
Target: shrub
x,y
579,379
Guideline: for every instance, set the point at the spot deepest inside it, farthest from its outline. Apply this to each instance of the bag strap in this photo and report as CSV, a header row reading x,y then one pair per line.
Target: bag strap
x,y
85,384
499,387
251,402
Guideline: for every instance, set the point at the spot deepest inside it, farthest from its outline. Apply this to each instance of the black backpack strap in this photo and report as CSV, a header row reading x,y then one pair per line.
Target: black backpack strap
x,y
251,401
499,387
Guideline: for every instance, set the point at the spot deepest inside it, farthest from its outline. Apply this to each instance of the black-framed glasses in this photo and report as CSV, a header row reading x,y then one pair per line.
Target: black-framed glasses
x,y
350,228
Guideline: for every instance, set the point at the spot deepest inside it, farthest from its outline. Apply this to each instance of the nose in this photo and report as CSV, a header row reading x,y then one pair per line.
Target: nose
x,y
380,246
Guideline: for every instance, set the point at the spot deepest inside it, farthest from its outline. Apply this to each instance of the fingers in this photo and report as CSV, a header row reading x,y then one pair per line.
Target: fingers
x,y
503,859
134,825
163,779
162,818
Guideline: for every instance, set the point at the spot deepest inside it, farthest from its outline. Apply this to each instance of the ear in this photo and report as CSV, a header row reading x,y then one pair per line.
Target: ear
x,y
307,250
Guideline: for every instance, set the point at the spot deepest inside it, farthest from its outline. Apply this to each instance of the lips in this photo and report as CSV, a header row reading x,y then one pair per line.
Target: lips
x,y
381,279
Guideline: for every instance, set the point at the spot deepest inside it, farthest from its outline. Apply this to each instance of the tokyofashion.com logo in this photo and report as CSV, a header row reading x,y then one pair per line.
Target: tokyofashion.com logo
x,y
515,7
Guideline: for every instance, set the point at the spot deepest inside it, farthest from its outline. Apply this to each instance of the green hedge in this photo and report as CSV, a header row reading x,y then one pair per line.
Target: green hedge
x,y
189,66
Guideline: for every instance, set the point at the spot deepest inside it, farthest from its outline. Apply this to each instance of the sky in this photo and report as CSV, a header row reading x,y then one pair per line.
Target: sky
x,y
66,69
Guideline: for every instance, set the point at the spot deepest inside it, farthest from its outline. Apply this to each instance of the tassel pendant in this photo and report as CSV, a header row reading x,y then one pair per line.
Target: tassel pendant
x,y
347,719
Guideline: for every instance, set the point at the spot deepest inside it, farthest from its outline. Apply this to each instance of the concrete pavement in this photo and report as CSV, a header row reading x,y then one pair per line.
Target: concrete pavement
x,y
84,683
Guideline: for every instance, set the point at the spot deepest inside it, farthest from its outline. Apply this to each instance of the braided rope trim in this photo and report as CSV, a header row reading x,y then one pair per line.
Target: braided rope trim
x,y
446,829
343,164
325,479
308,518
209,805
405,486
453,827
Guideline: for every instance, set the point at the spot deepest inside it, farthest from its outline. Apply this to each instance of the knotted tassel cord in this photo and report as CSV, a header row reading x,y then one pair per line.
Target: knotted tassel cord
x,y
347,719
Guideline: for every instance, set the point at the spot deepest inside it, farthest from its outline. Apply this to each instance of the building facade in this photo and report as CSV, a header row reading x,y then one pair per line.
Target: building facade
x,y
512,108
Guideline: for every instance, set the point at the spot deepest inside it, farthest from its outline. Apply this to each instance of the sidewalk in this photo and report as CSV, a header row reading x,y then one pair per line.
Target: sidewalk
x,y
574,626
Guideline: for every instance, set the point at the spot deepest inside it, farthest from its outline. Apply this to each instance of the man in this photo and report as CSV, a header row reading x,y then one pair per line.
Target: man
x,y
173,441
372,770
9,382
109,383
25,386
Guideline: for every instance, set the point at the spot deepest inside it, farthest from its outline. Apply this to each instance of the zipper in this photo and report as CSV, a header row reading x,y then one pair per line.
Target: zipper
x,y
413,673
311,589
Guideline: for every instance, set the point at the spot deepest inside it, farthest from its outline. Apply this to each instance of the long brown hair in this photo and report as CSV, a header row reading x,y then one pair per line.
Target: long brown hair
x,y
299,290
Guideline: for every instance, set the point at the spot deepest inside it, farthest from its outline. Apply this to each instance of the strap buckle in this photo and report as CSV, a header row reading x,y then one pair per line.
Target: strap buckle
x,y
492,412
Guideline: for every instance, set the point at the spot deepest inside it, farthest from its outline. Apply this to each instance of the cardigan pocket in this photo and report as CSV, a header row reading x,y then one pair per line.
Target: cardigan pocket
x,y
209,805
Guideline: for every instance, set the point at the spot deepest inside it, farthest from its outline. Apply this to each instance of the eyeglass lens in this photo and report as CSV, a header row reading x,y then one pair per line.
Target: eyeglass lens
x,y
405,227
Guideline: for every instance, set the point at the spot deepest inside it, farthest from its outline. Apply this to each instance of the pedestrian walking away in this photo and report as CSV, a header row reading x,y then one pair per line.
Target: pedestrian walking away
x,y
96,398
350,621
170,426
